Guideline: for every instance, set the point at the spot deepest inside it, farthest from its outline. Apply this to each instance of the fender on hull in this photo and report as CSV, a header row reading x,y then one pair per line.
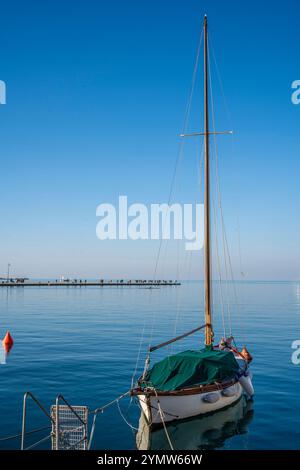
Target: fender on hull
x,y
246,383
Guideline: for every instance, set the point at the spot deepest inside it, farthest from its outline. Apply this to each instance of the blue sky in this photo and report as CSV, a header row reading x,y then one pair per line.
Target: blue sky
x,y
96,93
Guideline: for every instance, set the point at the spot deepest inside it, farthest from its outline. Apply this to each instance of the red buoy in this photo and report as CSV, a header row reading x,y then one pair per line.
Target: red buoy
x,y
7,340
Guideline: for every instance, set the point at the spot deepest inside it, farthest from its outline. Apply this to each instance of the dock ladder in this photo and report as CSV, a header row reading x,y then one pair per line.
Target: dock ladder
x,y
69,425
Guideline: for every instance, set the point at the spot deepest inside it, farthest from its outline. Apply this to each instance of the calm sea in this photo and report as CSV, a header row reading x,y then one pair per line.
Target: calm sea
x,y
84,343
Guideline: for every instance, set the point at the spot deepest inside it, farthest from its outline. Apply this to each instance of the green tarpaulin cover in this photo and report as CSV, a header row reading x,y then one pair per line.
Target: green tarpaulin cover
x,y
190,368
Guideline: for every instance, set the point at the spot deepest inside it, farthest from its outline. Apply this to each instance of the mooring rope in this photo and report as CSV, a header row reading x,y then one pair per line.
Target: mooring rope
x,y
102,408
92,430
124,418
96,411
38,442
163,421
15,436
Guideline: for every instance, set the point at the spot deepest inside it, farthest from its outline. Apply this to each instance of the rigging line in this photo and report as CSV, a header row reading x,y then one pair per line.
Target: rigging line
x,y
227,253
173,347
188,258
200,179
227,278
219,269
142,338
221,85
230,121
178,296
187,269
227,248
184,129
240,308
139,353
178,309
240,251
179,157
232,277
177,259
226,105
220,200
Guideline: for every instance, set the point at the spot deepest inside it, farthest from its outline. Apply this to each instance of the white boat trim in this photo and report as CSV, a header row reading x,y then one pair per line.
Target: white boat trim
x,y
178,407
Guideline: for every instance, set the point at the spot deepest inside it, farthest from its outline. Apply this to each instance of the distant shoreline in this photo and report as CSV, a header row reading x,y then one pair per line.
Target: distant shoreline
x,y
86,283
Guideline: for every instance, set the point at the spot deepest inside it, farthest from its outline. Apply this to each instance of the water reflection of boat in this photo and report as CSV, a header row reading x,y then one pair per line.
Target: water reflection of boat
x,y
204,432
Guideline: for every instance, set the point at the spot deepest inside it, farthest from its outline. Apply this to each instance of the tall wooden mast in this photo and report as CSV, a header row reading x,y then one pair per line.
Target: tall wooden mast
x,y
207,248
209,335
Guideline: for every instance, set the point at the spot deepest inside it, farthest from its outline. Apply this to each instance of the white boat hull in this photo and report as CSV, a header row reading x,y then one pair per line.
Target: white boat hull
x,y
201,432
186,406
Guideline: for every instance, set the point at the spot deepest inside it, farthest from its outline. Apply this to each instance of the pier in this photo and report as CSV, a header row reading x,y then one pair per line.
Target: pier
x,y
24,282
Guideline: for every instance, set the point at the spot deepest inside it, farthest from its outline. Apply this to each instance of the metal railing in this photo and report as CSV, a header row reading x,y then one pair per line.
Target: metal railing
x,y
41,407
58,433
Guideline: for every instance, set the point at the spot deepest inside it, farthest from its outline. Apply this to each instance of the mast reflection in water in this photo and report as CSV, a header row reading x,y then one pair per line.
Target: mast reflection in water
x,y
201,433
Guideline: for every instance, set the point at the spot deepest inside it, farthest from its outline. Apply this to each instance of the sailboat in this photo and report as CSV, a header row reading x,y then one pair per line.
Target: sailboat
x,y
193,383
